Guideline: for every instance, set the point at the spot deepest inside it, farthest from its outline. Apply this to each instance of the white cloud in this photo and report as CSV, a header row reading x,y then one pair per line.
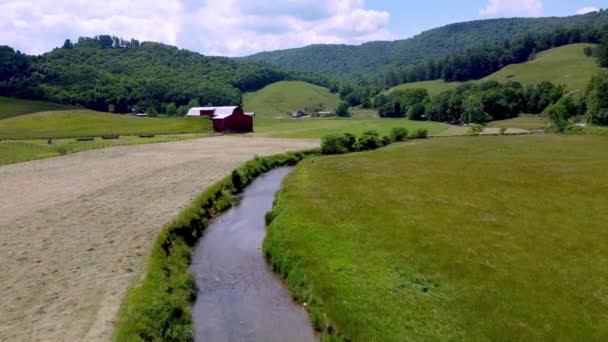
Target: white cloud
x,y
519,7
224,27
586,10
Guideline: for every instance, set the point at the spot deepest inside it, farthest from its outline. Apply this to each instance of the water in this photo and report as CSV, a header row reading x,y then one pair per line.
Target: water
x,y
240,298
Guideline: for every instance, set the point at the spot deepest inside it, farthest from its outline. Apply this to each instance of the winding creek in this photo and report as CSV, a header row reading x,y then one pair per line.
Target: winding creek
x,y
240,298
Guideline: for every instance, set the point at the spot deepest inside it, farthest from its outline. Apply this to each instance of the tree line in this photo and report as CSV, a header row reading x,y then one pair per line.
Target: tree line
x,y
108,73
480,62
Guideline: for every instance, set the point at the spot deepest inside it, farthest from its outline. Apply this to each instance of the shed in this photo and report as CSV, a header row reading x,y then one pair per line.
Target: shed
x,y
225,119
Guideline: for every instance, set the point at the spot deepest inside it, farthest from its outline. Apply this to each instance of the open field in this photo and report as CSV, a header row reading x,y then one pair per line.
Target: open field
x,y
83,123
523,121
314,128
563,65
16,151
10,107
435,87
280,98
76,229
471,239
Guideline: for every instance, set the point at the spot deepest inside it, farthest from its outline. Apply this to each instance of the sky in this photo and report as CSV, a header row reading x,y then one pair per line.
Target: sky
x,y
244,27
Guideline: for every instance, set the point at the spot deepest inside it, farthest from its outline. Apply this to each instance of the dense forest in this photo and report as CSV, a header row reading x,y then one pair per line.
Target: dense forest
x,y
110,74
368,61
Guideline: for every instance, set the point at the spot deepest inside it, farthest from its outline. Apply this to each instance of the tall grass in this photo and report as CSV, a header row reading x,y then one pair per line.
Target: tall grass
x,y
158,307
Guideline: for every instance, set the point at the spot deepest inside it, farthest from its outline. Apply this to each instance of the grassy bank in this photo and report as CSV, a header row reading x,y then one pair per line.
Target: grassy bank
x,y
315,128
11,107
488,238
523,121
17,151
157,307
86,123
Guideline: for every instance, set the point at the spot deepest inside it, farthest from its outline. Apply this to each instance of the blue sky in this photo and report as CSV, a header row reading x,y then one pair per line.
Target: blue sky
x,y
241,27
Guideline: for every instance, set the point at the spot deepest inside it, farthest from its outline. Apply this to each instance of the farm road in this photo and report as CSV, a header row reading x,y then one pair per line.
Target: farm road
x,y
75,230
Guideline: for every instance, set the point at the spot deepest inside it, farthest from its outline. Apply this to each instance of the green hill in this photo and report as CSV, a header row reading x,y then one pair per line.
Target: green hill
x,y
433,87
564,65
10,107
370,58
82,123
278,99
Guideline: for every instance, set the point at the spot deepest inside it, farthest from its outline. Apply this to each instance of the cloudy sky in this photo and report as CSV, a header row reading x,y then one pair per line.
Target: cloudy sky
x,y
242,27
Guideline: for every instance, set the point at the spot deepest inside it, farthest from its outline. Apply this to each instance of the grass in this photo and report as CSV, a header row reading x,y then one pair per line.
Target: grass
x,y
468,239
523,121
435,87
563,65
280,98
315,128
11,107
83,123
16,151
157,308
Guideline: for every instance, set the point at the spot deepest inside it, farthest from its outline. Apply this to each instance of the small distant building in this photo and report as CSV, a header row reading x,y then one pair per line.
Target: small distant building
x,y
299,113
225,119
324,113
140,114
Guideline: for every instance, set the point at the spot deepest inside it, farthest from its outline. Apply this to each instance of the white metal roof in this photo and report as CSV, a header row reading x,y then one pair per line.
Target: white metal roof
x,y
218,112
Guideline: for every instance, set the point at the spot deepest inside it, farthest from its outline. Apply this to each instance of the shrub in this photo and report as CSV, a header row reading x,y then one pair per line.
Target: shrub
x,y
386,140
475,129
502,131
342,110
333,144
399,134
349,141
370,140
420,133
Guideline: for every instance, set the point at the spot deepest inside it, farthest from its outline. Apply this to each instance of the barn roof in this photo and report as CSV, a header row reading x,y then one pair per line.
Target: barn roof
x,y
218,112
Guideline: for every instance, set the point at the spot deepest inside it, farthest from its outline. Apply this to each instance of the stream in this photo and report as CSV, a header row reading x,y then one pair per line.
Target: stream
x,y
240,298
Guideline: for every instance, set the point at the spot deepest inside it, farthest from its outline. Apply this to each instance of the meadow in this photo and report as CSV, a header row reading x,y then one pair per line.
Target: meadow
x,y
281,98
88,123
11,107
523,121
563,65
435,87
316,128
468,239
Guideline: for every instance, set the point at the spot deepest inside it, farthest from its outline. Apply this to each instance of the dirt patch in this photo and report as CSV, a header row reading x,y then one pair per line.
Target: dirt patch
x,y
75,230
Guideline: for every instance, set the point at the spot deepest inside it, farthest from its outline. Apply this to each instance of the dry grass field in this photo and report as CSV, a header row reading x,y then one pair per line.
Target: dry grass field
x,y
75,230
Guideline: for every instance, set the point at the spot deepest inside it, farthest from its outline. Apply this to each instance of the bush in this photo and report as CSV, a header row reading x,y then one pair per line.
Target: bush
x,y
475,129
502,131
386,140
420,133
342,110
334,144
399,134
349,141
370,140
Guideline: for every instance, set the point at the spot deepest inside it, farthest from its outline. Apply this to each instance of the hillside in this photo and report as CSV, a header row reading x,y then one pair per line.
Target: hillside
x,y
10,107
84,123
348,61
433,87
278,99
564,65
133,75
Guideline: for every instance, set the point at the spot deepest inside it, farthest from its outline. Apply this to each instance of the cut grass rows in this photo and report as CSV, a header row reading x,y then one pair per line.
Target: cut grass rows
x,y
470,239
11,107
17,151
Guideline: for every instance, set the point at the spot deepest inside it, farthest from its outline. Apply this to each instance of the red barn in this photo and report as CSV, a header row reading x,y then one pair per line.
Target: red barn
x,y
226,119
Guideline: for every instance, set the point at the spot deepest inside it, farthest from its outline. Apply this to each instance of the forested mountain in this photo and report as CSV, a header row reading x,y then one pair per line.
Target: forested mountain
x,y
370,59
108,73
